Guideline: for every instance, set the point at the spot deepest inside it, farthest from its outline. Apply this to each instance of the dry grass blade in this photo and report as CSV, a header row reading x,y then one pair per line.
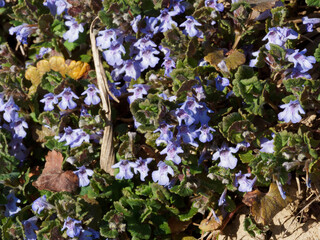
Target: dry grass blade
x,y
107,152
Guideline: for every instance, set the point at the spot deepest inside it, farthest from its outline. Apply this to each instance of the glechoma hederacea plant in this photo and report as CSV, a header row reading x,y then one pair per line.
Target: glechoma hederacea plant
x,y
216,100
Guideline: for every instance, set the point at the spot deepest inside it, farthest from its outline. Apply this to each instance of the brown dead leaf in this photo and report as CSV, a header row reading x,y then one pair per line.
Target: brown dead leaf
x,y
265,206
53,178
177,226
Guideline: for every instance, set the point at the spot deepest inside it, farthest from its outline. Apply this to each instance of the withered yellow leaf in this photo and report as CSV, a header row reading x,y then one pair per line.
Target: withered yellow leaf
x,y
57,63
235,59
43,67
77,69
265,206
33,75
214,58
210,225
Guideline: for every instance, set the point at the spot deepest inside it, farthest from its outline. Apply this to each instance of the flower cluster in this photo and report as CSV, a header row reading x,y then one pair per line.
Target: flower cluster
x,y
301,65
74,229
140,165
16,126
22,32
67,96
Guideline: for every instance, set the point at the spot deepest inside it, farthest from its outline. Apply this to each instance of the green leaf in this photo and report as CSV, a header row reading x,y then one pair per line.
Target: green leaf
x,y
239,130
277,51
317,51
187,216
45,22
138,230
314,3
70,45
51,80
246,157
250,88
227,121
278,16
161,225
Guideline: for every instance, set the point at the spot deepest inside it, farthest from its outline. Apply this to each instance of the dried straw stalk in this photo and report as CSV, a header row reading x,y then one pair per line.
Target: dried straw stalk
x,y
107,157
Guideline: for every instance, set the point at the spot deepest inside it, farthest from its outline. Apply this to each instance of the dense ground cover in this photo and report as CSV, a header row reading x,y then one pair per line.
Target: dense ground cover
x,y
146,119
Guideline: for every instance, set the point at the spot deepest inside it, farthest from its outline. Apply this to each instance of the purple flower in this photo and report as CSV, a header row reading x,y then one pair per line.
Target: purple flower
x,y
282,192
169,65
253,62
74,29
201,115
11,206
165,134
40,203
291,112
166,21
42,52
22,32
2,3
141,166
2,103
300,61
30,227
92,97
147,57
17,149
138,92
69,136
18,125
190,27
222,199
223,66
310,22
279,36
187,134
83,174
106,37
161,175
124,169
178,7
213,4
185,116
57,6
296,73
205,135
199,91
134,23
221,83
48,100
10,109
132,69
72,229
245,183
84,112
144,42
172,150
267,145
113,56
191,105
150,28
227,160
165,97
80,137
66,99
